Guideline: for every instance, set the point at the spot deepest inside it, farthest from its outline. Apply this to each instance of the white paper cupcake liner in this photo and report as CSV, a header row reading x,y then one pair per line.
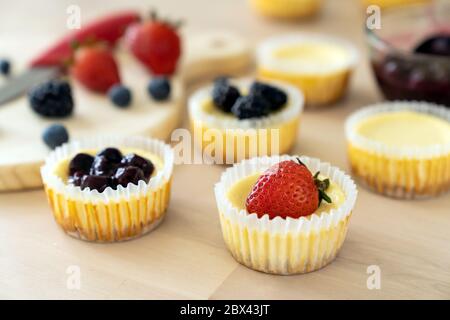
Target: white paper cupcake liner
x,y
267,60
227,139
402,172
284,246
111,215
395,106
293,109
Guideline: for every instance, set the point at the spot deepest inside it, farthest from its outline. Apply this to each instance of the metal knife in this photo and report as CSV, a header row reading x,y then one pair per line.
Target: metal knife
x,y
19,85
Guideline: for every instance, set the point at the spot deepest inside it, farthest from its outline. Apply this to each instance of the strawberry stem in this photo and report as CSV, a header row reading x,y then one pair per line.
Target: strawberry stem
x,y
322,185
300,162
153,15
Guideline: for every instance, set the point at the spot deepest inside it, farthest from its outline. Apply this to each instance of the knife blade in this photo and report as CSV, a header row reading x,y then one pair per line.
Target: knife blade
x,y
25,81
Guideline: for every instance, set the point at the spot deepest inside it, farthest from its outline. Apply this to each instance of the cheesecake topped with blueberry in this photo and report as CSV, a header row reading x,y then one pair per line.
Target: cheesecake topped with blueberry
x,y
110,167
109,189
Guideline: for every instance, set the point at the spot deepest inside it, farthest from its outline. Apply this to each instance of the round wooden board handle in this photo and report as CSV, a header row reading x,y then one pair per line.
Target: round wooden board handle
x,y
22,153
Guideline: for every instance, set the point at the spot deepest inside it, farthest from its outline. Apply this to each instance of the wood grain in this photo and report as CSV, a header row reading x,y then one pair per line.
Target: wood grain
x,y
186,257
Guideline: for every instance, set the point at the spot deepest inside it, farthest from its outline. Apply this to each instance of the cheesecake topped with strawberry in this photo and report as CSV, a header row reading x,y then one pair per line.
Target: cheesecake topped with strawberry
x,y
286,189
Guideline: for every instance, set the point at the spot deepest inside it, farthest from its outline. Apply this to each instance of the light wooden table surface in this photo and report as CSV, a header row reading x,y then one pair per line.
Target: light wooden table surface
x,y
186,257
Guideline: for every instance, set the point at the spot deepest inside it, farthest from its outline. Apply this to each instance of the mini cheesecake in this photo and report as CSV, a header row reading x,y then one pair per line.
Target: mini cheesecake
x,y
271,242
286,9
401,149
320,66
112,200
230,137
391,3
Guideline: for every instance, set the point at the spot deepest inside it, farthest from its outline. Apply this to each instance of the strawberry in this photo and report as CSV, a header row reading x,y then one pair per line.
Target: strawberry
x,y
95,67
156,44
287,189
109,28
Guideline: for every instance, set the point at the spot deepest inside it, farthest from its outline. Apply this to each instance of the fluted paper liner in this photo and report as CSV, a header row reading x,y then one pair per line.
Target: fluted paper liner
x,y
284,246
234,132
320,85
111,215
402,172
287,9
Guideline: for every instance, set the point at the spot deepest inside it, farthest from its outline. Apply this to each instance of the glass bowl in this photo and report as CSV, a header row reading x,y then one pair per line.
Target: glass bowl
x,y
402,73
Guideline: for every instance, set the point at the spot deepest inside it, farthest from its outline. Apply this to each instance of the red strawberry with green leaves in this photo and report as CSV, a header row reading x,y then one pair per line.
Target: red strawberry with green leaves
x,y
156,44
287,189
94,67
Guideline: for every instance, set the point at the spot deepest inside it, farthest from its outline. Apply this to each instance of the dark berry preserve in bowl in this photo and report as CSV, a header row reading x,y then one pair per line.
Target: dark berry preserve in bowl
x,y
410,54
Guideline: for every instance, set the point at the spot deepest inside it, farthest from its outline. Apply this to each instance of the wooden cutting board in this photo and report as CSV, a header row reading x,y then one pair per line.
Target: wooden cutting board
x,y
21,148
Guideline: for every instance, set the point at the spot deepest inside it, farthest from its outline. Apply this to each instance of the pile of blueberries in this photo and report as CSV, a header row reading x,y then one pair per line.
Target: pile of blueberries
x,y
109,168
261,100
53,99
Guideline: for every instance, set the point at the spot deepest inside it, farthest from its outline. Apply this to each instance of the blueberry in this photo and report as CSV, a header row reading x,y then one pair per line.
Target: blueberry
x,y
276,97
5,67
52,99
82,162
102,166
55,135
112,154
76,178
224,95
251,106
129,174
145,165
99,183
159,88
120,95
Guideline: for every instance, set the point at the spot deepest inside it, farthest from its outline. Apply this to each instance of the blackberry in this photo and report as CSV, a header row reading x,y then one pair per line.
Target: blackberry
x,y
251,106
224,95
55,135
159,88
276,97
52,99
